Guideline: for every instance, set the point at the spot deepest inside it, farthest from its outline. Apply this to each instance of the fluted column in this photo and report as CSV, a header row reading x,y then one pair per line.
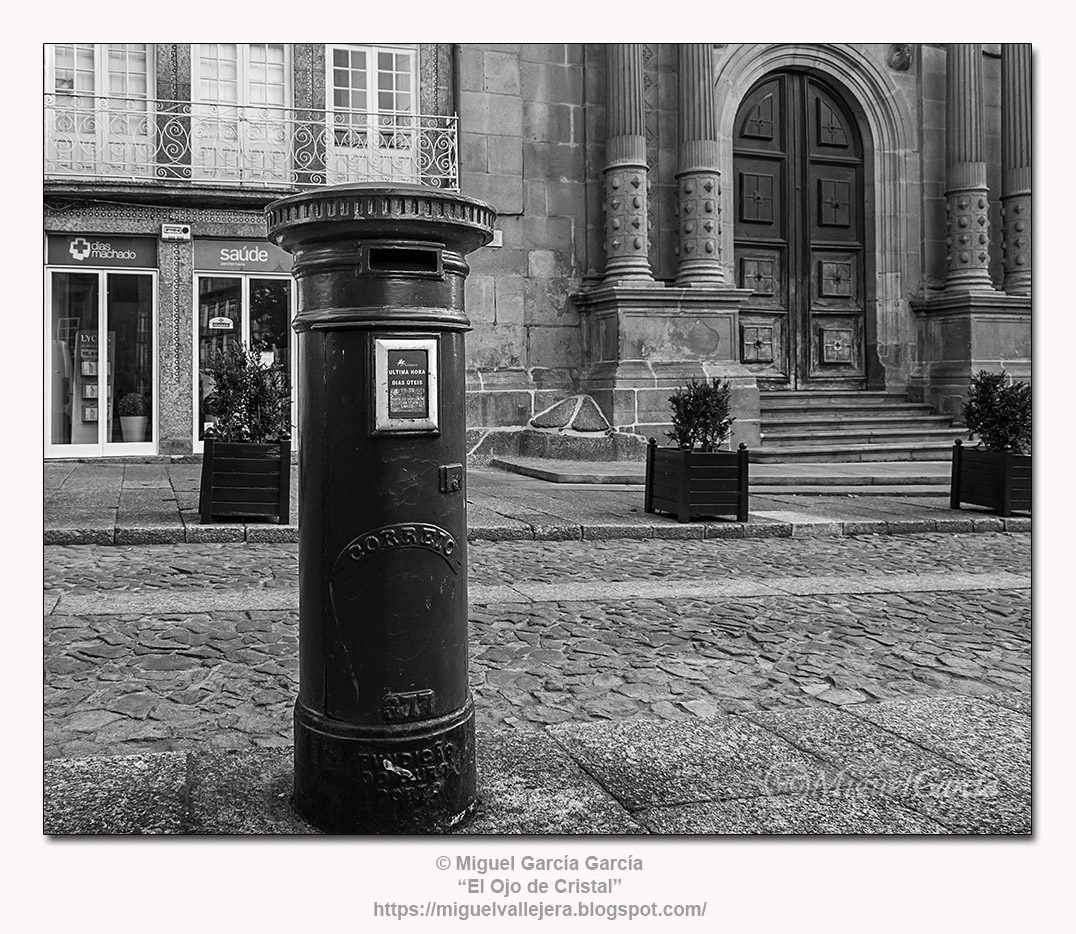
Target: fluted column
x,y
1016,166
626,243
967,196
697,192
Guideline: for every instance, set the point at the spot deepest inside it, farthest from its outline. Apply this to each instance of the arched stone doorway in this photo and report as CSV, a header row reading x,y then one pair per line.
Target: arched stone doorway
x,y
881,101
800,234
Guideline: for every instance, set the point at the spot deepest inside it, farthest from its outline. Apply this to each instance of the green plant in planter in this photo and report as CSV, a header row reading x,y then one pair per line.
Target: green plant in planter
x,y
694,478
132,405
701,416
998,410
250,399
246,466
997,473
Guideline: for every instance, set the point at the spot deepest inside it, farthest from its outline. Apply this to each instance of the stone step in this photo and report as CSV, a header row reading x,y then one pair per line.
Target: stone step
x,y
847,409
826,434
848,427
853,421
837,452
795,400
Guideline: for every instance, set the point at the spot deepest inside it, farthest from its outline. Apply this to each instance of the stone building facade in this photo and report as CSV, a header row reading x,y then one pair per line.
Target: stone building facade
x,y
813,218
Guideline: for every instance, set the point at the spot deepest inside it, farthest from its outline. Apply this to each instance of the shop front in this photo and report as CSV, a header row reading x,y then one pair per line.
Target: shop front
x,y
100,347
243,294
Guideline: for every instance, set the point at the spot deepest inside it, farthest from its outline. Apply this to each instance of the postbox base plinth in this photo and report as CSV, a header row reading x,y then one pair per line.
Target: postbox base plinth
x,y
417,778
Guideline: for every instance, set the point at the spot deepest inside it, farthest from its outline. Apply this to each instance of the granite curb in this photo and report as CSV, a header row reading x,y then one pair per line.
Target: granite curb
x,y
762,528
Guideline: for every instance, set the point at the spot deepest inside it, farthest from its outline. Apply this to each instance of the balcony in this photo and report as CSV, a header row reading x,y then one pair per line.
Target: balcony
x,y
89,138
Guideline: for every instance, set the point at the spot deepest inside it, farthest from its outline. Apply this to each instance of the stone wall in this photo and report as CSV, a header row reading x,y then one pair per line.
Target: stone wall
x,y
523,147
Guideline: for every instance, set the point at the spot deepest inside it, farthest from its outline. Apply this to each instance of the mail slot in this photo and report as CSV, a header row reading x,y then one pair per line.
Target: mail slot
x,y
384,720
404,259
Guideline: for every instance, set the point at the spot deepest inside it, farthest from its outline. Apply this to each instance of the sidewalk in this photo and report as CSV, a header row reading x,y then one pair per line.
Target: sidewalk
x,y
136,504
934,765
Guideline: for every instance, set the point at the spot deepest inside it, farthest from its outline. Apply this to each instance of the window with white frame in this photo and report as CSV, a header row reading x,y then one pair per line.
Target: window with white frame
x,y
98,108
372,112
240,126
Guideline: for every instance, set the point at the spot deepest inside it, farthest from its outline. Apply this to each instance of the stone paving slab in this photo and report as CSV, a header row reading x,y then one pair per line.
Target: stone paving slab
x,y
983,737
1020,701
647,763
722,776
287,599
216,601
812,814
87,501
243,793
869,760
527,784
116,795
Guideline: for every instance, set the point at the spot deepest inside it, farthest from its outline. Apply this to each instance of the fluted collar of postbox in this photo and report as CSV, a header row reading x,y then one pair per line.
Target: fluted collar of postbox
x,y
371,211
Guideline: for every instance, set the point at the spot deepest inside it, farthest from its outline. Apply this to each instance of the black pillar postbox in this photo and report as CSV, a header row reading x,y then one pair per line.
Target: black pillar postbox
x,y
384,721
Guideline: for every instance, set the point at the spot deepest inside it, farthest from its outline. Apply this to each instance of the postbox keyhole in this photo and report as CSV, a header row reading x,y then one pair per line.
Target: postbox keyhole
x,y
451,478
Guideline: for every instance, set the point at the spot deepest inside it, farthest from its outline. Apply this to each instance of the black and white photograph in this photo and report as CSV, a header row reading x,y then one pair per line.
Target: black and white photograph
x,y
527,461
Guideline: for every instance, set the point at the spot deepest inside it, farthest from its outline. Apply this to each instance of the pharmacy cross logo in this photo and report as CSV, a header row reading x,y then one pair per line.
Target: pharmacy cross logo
x,y
80,248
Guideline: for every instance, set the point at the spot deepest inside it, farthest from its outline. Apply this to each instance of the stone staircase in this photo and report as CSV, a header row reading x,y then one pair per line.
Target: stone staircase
x,y
833,427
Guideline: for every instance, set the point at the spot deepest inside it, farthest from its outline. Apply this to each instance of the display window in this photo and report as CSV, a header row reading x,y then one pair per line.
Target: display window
x,y
255,311
100,363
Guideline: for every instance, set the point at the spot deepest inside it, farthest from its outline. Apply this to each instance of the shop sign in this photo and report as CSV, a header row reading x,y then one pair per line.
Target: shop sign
x,y
95,250
240,256
221,324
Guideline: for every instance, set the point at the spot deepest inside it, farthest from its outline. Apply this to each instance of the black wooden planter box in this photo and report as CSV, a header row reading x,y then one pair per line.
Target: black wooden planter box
x,y
1001,482
246,481
696,483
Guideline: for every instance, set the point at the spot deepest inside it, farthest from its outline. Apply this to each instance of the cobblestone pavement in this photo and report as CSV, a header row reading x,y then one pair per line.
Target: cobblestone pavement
x,y
118,682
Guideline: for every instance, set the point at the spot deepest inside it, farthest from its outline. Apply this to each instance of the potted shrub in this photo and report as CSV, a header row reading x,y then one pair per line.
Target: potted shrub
x,y
246,464
997,472
133,410
695,478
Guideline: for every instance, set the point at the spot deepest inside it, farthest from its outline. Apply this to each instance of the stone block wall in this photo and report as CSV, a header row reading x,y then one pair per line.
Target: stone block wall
x,y
523,149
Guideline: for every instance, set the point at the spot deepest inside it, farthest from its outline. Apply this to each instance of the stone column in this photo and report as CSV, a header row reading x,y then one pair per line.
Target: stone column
x,y
967,196
626,246
1016,166
697,193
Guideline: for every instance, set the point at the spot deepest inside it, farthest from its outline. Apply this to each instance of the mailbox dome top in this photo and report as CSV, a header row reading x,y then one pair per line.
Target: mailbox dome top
x,y
372,210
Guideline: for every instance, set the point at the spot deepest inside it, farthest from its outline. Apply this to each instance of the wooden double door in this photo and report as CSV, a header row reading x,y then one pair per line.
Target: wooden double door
x,y
799,235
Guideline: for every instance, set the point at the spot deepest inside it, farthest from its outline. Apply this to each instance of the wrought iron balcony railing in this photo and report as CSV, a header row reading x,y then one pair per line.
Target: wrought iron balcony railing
x,y
91,137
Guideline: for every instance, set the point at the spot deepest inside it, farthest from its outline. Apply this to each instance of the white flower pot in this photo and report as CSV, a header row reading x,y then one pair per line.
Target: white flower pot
x,y
133,428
